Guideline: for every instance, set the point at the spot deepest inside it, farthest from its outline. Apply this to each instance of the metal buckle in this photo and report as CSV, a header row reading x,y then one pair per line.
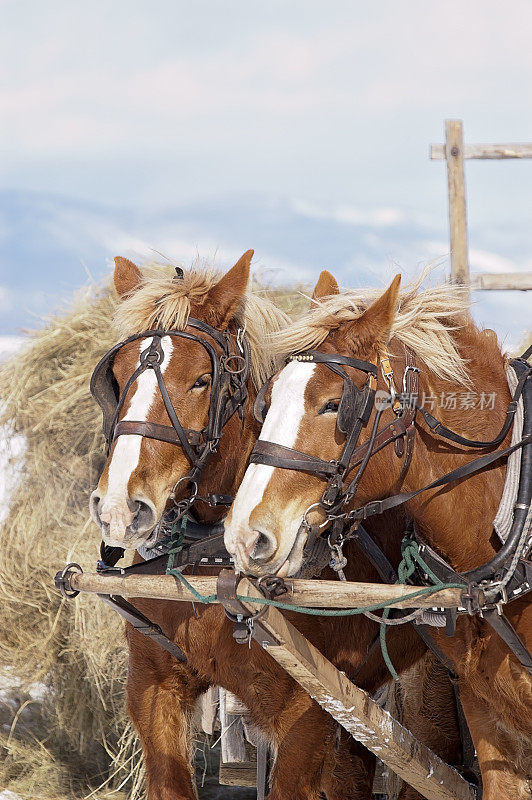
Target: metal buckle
x,y
369,511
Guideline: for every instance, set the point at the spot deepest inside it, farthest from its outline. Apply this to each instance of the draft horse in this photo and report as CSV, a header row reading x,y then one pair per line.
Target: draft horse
x,y
176,395
338,443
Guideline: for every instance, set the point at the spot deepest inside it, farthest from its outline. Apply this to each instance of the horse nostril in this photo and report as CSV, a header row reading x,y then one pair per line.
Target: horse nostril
x,y
144,514
94,507
264,546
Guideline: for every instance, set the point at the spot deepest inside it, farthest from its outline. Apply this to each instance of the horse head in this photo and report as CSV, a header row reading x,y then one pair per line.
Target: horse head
x,y
173,393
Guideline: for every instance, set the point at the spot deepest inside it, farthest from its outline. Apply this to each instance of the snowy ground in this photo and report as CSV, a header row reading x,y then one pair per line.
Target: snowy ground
x,y
11,446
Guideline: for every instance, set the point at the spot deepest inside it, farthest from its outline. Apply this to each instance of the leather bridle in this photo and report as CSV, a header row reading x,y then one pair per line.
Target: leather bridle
x,y
228,394
354,411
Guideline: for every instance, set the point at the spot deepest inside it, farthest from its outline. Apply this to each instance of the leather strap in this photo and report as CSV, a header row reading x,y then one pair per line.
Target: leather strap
x,y
478,464
317,357
437,427
507,632
152,430
143,625
277,455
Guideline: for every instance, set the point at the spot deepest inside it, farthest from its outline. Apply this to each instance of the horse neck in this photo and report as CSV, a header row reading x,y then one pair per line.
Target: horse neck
x,y
458,519
225,468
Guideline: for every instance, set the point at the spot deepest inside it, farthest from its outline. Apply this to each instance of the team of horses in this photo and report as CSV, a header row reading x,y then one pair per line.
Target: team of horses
x,y
265,534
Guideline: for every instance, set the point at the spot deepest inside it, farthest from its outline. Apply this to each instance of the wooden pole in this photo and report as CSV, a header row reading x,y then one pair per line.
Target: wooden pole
x,y
355,710
521,281
486,151
301,592
454,149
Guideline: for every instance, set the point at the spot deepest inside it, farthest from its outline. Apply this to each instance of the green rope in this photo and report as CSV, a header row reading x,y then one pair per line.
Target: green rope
x,y
407,566
410,557
316,612
176,541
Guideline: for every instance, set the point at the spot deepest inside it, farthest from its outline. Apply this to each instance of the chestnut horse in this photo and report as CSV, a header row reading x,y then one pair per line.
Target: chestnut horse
x,y
131,497
462,369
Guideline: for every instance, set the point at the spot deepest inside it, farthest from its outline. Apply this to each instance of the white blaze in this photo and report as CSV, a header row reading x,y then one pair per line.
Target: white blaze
x,y
281,426
126,452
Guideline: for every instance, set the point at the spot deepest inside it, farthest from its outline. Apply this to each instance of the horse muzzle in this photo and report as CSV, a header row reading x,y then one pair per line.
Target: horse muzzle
x,y
124,522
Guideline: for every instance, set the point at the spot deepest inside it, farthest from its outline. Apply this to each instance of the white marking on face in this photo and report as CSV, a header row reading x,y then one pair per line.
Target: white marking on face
x,y
126,452
281,426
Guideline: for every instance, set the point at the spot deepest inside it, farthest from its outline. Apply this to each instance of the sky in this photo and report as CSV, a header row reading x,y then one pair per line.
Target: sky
x,y
330,105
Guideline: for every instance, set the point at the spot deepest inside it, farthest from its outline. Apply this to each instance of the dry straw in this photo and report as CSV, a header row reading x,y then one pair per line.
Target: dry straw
x,y
84,741
74,649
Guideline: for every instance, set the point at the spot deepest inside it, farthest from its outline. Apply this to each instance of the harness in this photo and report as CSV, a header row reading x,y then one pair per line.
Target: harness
x,y
488,587
230,375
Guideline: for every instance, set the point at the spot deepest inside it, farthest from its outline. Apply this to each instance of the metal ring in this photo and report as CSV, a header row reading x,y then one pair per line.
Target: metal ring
x,y
62,580
193,483
234,371
305,521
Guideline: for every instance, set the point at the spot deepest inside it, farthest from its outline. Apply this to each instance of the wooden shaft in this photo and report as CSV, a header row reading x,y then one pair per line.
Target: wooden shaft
x,y
356,711
454,144
486,151
522,281
307,593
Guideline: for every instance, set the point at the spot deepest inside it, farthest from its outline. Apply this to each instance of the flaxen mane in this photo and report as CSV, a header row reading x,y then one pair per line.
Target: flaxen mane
x,y
426,320
164,302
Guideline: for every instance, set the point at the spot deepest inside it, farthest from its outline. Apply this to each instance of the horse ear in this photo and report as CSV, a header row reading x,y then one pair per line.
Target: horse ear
x,y
325,286
127,276
375,324
226,295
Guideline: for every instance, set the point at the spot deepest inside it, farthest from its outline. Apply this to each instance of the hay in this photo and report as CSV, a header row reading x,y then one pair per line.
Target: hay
x,y
76,650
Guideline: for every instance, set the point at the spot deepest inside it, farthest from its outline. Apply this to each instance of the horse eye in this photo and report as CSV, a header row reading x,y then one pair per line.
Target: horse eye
x,y
201,382
330,407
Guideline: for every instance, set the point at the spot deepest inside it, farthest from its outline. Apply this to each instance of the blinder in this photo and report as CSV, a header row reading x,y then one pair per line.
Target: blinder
x,y
260,406
349,405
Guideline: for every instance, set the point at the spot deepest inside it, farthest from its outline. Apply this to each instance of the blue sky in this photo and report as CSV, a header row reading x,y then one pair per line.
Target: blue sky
x,y
331,106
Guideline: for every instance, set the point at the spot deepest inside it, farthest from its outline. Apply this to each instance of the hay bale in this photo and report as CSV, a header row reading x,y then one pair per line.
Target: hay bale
x,y
75,650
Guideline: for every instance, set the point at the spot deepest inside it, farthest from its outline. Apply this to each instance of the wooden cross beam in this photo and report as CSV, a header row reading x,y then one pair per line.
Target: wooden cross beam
x,y
454,151
301,592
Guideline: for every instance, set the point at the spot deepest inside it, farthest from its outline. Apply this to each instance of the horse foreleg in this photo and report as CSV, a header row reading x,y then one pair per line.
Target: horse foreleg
x,y
313,762
161,696
426,705
499,752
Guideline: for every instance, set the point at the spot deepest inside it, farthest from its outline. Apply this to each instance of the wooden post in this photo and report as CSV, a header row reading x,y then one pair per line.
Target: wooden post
x,y
454,154
355,710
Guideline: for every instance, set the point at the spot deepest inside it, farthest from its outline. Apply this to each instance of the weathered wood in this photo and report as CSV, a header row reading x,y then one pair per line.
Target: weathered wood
x,y
454,144
244,774
307,593
209,706
521,281
232,739
235,706
486,151
357,712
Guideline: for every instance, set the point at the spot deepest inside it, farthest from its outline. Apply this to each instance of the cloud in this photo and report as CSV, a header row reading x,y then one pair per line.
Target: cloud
x,y
6,299
282,77
349,215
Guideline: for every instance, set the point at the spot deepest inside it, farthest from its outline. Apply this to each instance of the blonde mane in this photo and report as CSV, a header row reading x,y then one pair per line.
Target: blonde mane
x,y
162,302
425,320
